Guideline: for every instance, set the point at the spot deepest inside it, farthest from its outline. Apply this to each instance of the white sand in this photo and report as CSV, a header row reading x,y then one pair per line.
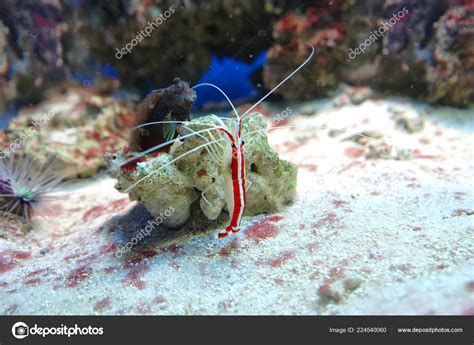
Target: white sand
x,y
363,236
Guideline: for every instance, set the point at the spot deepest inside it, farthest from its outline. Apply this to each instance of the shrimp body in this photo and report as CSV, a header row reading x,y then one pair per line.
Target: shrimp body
x,y
234,181
231,158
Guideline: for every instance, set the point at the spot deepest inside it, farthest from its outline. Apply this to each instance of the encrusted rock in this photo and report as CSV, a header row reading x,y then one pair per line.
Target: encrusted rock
x,y
407,119
74,130
271,182
381,150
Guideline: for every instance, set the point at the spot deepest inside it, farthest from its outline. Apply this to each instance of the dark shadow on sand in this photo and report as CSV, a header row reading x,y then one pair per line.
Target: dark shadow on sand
x,y
124,228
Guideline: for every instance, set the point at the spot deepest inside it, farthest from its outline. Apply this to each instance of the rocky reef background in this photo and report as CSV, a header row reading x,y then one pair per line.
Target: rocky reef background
x,y
360,203
51,45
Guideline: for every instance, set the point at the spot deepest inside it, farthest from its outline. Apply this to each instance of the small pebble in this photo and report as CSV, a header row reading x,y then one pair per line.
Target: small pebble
x,y
336,132
352,283
334,291
307,110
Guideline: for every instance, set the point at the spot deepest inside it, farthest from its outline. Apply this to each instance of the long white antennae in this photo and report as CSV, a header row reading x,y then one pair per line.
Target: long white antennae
x,y
321,127
217,155
178,122
219,89
172,161
154,148
281,83
277,127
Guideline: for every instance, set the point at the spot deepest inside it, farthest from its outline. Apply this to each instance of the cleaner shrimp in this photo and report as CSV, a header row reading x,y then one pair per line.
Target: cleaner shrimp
x,y
231,155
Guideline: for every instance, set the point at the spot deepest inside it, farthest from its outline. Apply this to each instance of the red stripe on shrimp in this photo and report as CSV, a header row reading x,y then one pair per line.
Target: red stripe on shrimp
x,y
242,168
229,134
238,188
234,164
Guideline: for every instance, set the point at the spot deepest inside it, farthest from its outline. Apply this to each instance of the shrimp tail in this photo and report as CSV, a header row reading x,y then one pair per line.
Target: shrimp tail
x,y
222,234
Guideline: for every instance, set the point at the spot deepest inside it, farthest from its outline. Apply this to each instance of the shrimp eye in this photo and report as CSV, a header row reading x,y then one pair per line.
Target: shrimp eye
x,y
233,145
243,142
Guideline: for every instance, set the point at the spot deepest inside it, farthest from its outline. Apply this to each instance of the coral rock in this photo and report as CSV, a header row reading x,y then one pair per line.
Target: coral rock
x,y
271,182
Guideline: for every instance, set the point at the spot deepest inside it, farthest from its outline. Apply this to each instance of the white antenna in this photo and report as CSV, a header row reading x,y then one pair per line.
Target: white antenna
x,y
282,82
217,87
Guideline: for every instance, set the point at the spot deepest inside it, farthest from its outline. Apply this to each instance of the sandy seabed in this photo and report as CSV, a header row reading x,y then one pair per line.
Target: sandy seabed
x,y
378,227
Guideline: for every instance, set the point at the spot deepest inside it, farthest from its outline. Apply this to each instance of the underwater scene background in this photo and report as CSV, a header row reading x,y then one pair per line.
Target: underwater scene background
x,y
236,157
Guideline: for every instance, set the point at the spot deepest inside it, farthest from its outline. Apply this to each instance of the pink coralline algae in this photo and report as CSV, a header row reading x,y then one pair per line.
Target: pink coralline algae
x,y
294,33
426,52
452,75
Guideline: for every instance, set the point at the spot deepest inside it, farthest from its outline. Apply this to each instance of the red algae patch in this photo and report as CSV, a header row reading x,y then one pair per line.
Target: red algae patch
x,y
309,166
100,210
134,277
202,172
9,259
263,229
33,281
102,304
141,256
353,152
281,259
273,219
132,165
159,299
327,219
109,248
230,248
339,203
418,154
37,272
78,275
94,212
